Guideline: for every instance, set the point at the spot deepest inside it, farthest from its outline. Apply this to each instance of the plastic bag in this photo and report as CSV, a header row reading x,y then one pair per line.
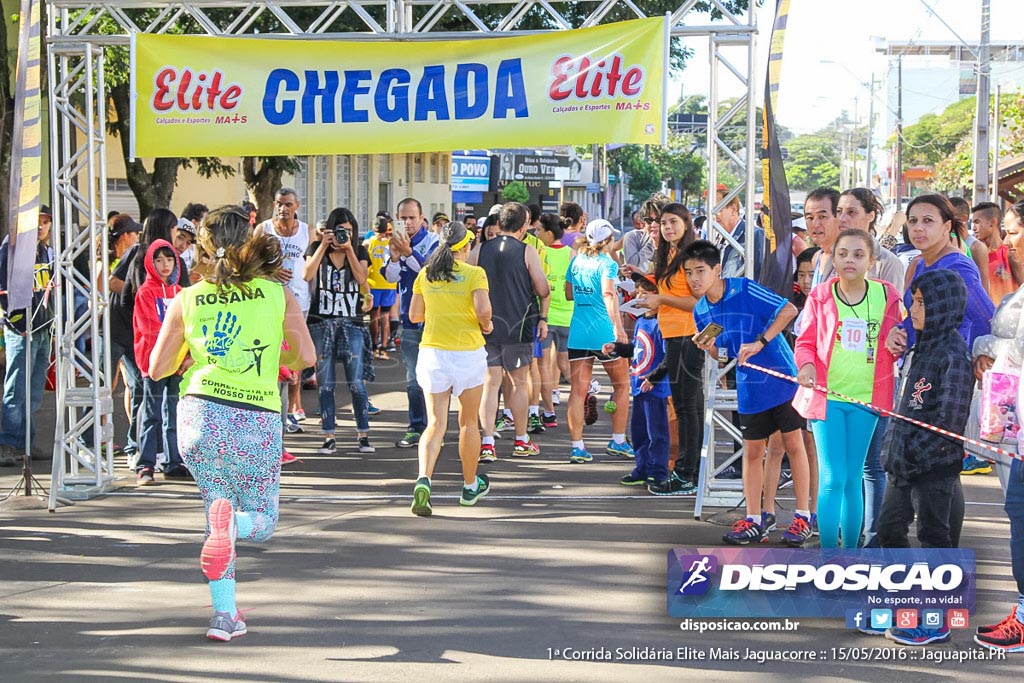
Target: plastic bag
x,y
999,403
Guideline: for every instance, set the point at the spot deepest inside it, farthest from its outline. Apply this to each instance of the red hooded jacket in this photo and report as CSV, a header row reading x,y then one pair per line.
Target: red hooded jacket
x,y
151,302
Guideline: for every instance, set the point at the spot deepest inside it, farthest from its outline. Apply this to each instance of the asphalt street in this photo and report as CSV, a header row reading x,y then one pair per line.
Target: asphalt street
x,y
557,569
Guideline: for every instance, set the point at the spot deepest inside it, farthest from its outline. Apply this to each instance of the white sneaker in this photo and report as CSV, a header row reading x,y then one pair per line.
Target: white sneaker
x,y
555,397
595,387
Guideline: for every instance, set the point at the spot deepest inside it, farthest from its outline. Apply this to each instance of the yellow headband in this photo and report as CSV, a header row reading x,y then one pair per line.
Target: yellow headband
x,y
463,242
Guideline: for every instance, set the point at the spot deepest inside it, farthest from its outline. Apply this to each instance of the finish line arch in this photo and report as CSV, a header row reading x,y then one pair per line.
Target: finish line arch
x,y
78,33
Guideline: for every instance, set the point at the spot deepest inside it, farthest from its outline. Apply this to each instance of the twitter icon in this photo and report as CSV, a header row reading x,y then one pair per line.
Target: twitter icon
x,y
881,618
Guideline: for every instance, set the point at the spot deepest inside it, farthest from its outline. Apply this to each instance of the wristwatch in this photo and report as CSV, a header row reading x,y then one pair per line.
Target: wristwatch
x,y
760,338
543,319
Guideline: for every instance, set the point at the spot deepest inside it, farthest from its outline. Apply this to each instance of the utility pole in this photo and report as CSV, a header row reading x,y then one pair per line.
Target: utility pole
x,y
898,179
995,148
871,133
981,136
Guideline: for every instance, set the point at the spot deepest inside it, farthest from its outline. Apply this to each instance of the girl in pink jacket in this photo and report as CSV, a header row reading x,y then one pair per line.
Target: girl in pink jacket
x,y
842,346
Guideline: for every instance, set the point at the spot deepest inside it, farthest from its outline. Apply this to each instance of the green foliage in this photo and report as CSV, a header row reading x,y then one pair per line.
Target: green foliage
x,y
813,161
954,169
644,180
515,191
935,136
675,166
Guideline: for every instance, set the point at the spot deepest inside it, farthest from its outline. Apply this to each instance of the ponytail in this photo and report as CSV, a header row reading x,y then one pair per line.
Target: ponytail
x,y
571,214
238,256
441,264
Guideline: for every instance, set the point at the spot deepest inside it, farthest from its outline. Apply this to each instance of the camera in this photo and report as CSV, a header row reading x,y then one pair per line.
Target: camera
x,y
340,234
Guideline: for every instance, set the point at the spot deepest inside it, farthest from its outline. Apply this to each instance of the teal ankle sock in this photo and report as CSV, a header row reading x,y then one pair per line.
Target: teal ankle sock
x,y
222,592
243,524
1020,609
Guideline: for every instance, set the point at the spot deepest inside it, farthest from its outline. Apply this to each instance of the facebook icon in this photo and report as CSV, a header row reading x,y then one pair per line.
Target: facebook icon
x,y
855,618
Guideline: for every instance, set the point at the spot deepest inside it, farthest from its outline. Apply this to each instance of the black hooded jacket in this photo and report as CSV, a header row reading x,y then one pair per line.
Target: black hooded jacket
x,y
937,385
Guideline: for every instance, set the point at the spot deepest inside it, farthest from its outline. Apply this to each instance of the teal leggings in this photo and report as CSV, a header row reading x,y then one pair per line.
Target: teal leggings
x,y
842,440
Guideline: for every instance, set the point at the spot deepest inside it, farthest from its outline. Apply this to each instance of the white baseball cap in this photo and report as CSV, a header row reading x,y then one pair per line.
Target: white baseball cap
x,y
598,230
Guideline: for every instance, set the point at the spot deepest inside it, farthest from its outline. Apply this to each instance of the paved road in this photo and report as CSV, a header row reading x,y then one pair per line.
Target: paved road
x,y
355,588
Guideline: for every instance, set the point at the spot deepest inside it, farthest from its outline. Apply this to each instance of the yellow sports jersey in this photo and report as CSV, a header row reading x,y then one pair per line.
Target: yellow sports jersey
x,y
234,336
535,242
377,246
451,323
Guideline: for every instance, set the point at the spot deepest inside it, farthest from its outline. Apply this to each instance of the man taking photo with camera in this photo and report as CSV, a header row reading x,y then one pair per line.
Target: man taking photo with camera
x,y
411,243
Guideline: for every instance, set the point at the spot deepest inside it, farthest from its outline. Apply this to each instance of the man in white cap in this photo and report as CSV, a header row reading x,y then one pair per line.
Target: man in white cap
x,y
520,295
184,238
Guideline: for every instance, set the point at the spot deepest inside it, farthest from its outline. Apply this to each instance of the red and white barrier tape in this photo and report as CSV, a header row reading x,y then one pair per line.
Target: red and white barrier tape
x,y
889,413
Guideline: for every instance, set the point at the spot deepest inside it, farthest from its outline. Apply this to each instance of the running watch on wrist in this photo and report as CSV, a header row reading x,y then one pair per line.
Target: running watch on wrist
x,y
760,338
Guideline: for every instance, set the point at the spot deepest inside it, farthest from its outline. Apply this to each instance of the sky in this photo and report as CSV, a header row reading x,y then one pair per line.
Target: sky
x,y
829,57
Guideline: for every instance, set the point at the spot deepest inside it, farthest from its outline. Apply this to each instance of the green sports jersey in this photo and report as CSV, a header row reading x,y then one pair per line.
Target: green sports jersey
x,y
235,339
556,266
851,370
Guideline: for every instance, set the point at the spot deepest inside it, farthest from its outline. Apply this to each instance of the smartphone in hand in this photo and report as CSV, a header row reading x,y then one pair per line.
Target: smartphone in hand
x,y
708,334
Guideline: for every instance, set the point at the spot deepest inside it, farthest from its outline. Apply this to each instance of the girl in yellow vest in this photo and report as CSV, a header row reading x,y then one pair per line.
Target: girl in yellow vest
x,y
230,326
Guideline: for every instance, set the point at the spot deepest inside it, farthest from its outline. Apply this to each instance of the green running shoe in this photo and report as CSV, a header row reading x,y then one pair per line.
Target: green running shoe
x,y
421,498
470,497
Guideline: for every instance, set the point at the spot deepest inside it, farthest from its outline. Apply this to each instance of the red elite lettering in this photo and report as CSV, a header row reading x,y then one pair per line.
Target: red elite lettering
x,y
632,82
163,89
581,78
213,90
594,80
186,80
229,100
197,96
595,89
613,75
189,91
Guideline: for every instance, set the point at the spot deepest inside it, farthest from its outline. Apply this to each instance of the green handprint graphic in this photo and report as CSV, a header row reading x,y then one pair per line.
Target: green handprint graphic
x,y
225,332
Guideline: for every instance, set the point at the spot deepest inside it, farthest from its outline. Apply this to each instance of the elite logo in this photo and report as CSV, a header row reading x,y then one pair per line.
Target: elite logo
x,y
697,579
582,79
186,90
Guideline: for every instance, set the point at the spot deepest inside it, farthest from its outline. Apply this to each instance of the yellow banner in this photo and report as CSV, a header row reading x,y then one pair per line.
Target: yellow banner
x,y
26,160
218,96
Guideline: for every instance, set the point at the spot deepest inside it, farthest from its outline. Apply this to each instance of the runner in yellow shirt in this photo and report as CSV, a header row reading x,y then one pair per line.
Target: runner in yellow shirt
x,y
450,297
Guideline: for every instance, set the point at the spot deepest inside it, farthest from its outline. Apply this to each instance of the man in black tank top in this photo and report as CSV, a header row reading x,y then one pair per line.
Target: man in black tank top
x,y
518,292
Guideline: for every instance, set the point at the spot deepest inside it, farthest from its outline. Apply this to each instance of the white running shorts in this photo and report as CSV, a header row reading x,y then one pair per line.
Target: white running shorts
x,y
438,370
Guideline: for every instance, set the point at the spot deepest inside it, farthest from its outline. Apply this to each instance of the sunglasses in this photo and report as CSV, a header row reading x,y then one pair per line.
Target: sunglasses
x,y
648,220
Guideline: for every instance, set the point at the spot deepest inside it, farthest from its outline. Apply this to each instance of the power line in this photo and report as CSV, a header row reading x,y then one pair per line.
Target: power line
x,y
944,23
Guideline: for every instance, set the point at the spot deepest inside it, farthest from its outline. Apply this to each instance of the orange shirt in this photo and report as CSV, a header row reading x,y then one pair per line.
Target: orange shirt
x,y
1000,277
672,321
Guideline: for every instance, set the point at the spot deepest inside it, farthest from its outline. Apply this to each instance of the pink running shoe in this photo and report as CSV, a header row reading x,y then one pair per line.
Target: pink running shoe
x,y
219,548
287,458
